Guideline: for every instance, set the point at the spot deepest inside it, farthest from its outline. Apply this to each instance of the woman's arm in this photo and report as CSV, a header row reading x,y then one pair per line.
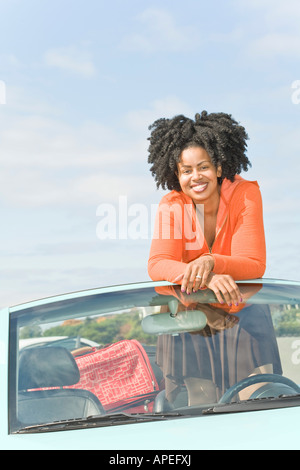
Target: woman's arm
x,y
248,248
166,252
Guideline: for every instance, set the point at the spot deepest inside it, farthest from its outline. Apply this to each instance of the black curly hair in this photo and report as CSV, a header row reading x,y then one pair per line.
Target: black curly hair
x,y
218,133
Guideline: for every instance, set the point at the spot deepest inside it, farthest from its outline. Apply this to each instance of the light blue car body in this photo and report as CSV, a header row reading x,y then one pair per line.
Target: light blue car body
x,y
263,429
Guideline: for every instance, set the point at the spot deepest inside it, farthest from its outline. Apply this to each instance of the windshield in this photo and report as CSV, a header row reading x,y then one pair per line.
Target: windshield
x,y
151,350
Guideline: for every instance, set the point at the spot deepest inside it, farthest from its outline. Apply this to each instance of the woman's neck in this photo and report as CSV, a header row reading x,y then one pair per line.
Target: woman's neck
x,y
211,206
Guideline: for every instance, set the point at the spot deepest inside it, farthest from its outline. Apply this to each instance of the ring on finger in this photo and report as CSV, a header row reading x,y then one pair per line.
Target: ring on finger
x,y
198,277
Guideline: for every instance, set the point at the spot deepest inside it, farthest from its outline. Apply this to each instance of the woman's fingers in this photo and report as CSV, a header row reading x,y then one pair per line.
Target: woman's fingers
x,y
189,279
225,289
204,274
185,280
197,273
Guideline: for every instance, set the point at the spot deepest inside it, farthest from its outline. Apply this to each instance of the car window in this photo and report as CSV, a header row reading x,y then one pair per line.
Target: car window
x,y
147,351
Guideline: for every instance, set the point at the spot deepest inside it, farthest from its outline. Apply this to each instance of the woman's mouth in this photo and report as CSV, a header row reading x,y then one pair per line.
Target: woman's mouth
x,y
198,188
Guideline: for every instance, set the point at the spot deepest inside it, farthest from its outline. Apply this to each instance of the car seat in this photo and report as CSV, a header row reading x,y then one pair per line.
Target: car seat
x,y
43,372
161,404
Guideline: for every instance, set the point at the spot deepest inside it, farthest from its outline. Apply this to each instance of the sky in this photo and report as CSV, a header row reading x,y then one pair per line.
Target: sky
x,y
81,81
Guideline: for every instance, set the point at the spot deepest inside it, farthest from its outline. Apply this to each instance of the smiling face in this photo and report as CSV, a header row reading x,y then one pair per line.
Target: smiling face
x,y
197,175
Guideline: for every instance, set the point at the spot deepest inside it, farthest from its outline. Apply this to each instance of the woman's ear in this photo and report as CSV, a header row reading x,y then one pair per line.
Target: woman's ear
x,y
219,171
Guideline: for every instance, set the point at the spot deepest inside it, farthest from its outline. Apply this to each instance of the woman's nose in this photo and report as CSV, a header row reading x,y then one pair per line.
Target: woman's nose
x,y
196,174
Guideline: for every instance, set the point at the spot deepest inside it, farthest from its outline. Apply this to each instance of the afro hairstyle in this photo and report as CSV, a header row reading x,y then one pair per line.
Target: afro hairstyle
x,y
218,133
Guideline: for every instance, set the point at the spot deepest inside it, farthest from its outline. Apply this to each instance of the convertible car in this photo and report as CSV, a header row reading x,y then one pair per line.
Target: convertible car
x,y
145,366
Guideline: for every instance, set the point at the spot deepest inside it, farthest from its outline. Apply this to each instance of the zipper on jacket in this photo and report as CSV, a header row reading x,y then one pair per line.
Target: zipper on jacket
x,y
211,247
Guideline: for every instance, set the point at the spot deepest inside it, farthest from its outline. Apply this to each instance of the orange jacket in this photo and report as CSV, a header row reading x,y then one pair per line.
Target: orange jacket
x,y
239,247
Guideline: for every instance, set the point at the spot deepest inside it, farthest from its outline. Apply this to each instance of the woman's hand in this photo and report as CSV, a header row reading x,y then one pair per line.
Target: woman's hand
x,y
196,274
225,289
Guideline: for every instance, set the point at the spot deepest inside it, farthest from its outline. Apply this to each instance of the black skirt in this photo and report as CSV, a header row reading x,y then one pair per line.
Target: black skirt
x,y
224,356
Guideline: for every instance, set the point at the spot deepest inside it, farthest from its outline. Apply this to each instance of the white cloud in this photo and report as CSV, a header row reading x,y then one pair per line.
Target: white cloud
x,y
284,14
35,188
107,187
48,162
71,59
167,107
9,60
42,142
278,26
275,44
231,37
160,31
275,11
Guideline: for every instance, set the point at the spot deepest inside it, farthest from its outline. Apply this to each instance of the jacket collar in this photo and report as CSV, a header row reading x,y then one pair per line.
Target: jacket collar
x,y
227,190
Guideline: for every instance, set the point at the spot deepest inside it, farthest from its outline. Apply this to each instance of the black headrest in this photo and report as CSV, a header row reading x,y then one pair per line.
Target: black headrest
x,y
47,367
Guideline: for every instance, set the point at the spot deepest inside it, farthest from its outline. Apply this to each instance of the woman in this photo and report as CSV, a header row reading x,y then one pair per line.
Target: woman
x,y
200,162
209,233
